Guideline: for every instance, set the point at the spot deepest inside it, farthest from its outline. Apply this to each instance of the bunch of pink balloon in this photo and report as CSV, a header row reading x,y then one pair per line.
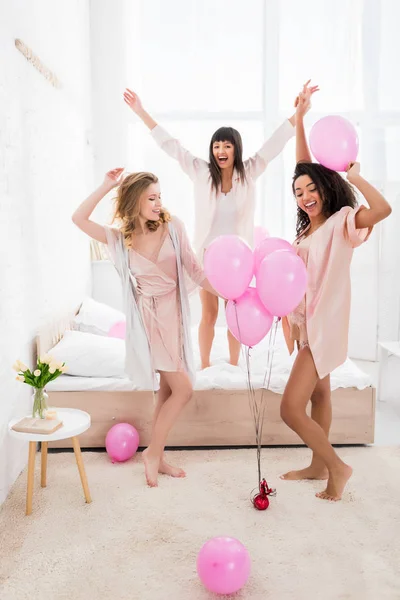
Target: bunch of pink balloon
x,y
281,279
223,565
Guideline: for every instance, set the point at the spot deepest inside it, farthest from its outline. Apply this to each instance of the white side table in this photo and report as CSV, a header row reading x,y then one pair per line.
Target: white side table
x,y
75,422
386,349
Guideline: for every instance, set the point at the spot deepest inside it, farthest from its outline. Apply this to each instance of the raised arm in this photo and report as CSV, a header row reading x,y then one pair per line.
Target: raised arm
x,y
378,209
276,143
256,165
135,104
303,105
81,216
190,164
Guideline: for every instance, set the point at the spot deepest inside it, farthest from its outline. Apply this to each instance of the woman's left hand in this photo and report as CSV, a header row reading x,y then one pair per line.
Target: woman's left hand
x,y
353,171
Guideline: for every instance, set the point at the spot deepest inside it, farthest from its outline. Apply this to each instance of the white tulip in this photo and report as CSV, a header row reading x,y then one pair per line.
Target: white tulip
x,y
22,367
46,359
16,366
52,368
63,369
37,372
20,378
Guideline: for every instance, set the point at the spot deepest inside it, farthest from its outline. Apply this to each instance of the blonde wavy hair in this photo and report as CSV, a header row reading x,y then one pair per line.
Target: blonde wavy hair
x,y
127,204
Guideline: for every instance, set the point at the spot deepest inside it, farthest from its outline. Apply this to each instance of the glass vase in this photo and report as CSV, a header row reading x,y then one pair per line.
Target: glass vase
x,y
39,403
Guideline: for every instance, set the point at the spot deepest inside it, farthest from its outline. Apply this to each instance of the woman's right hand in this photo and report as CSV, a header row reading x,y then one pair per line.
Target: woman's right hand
x,y
133,100
303,100
113,178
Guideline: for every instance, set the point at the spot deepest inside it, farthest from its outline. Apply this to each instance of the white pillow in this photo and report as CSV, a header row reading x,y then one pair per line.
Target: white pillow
x,y
95,317
90,355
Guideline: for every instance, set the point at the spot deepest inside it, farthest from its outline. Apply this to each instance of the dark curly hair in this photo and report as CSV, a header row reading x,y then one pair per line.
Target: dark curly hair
x,y
231,135
335,192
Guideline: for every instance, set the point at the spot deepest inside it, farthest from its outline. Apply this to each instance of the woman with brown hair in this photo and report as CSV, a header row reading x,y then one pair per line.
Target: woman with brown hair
x,y
153,256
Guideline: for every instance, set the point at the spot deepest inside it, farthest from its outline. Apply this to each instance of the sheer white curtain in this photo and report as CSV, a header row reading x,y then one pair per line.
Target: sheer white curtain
x,y
200,64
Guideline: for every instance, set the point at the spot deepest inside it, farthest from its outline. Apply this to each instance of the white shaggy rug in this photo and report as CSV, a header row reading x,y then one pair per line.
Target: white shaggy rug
x,y
138,543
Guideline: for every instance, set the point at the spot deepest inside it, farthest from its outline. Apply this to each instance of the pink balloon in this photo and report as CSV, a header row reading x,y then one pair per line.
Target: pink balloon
x,y
266,247
334,142
223,565
122,441
260,233
118,330
248,319
281,282
229,265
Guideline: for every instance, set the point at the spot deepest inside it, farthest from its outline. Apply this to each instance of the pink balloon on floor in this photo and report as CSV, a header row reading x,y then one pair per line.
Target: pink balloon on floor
x,y
118,330
229,265
223,565
334,142
266,247
248,319
281,282
122,441
260,233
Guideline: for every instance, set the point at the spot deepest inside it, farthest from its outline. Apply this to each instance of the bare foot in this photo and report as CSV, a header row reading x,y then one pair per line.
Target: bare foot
x,y
336,484
234,363
310,472
167,469
205,366
151,466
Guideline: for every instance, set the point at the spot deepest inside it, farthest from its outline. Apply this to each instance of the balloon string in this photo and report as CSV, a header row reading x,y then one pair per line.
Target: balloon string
x,y
258,407
270,360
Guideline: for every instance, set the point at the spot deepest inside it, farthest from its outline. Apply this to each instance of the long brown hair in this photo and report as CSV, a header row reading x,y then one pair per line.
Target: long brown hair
x,y
334,191
226,134
127,204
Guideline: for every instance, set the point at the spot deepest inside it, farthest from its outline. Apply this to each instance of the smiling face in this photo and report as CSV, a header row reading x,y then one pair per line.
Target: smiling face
x,y
224,154
308,197
150,203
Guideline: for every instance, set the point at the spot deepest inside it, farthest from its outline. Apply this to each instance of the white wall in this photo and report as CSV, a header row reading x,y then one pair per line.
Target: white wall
x,y
45,170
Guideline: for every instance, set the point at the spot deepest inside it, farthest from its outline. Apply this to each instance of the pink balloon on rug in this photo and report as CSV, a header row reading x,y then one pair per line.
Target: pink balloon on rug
x,y
267,246
281,282
122,441
118,330
223,565
260,233
229,265
334,142
248,319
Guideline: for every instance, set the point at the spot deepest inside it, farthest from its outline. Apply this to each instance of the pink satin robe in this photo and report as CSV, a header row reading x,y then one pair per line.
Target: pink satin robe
x,y
328,292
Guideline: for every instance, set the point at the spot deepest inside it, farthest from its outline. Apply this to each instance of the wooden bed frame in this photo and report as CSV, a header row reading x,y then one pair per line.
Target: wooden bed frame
x,y
212,418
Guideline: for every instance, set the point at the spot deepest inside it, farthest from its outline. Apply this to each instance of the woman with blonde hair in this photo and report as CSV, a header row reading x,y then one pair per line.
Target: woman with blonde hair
x,y
153,256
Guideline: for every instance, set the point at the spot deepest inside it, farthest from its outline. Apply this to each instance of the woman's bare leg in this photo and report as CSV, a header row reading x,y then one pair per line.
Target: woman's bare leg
x,y
162,396
321,413
234,348
209,306
181,393
301,384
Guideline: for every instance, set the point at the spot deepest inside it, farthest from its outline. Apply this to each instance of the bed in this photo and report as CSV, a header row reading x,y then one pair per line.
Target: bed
x,y
219,413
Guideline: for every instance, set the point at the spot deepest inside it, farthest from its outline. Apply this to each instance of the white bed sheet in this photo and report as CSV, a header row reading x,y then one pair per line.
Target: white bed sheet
x,y
221,375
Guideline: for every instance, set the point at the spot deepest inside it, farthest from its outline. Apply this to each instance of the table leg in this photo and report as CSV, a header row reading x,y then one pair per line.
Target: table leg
x,y
44,464
31,473
81,468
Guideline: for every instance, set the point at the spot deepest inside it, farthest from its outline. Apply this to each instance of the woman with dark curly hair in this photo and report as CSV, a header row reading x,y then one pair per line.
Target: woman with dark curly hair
x,y
330,225
154,258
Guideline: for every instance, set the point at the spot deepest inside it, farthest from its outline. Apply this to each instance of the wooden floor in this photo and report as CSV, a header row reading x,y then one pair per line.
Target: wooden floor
x,y
216,417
